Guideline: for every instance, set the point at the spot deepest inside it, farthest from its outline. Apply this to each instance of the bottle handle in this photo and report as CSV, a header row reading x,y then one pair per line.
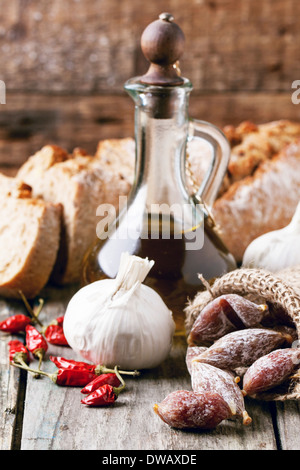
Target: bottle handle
x,y
213,179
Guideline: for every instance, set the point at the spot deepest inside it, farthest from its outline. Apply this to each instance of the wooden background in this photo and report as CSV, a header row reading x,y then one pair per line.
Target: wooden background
x,y
64,64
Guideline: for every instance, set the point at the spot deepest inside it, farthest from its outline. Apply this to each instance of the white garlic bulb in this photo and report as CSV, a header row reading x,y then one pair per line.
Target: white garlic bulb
x,y
276,250
120,321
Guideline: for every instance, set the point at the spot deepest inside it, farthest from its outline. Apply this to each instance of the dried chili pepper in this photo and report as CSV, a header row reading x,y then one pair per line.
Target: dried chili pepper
x,y
18,352
106,394
72,377
54,334
36,343
59,321
64,377
15,323
100,380
63,363
99,369
102,396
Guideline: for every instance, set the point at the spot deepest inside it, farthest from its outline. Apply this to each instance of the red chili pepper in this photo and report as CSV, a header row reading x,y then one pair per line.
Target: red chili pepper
x,y
54,334
70,364
67,377
103,396
64,363
18,352
15,323
36,343
110,379
60,320
72,377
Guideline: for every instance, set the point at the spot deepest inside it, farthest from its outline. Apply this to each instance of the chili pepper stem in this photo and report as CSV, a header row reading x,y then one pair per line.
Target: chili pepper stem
x,y
31,312
100,369
23,363
34,371
40,362
20,358
39,354
39,308
119,389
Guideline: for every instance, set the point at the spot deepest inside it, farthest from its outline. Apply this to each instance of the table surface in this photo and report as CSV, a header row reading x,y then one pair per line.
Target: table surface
x,y
37,414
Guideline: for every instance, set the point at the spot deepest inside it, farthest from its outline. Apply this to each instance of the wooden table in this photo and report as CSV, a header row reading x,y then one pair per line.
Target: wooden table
x,y
36,414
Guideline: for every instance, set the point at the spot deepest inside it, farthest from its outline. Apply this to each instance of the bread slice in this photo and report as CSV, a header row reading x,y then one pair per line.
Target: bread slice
x,y
80,183
29,239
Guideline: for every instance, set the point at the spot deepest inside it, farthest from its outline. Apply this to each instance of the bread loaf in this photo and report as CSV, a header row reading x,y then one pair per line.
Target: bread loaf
x,y
260,203
10,186
259,193
80,183
29,239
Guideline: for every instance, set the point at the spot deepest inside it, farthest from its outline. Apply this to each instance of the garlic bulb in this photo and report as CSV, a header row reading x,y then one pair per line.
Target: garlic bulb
x,y
276,250
120,321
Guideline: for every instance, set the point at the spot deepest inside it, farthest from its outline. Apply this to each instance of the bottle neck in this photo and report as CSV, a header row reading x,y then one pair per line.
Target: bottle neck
x,y
161,130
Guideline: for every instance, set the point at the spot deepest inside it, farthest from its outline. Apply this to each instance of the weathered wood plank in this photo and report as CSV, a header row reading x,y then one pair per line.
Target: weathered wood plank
x,y
29,121
54,418
288,419
10,385
95,46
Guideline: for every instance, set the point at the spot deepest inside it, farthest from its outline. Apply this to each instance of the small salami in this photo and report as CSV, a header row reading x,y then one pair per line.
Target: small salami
x,y
184,409
223,315
243,347
270,370
191,352
207,378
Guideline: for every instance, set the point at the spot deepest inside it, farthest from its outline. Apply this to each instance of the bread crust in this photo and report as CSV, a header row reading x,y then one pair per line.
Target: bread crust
x,y
252,145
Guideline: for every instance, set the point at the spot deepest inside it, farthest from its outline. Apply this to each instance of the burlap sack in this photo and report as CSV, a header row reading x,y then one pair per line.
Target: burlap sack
x,y
281,289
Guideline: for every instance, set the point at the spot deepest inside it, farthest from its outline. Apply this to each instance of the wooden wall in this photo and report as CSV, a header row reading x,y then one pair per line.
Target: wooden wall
x,y
64,64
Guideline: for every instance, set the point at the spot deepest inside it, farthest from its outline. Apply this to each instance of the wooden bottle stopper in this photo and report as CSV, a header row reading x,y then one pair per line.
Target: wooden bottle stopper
x,y
162,44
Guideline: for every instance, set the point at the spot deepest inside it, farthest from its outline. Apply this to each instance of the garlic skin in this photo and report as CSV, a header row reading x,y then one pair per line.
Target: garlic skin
x,y
120,321
276,250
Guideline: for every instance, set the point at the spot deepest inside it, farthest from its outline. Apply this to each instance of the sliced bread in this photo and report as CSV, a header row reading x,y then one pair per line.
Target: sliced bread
x,y
80,183
29,239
